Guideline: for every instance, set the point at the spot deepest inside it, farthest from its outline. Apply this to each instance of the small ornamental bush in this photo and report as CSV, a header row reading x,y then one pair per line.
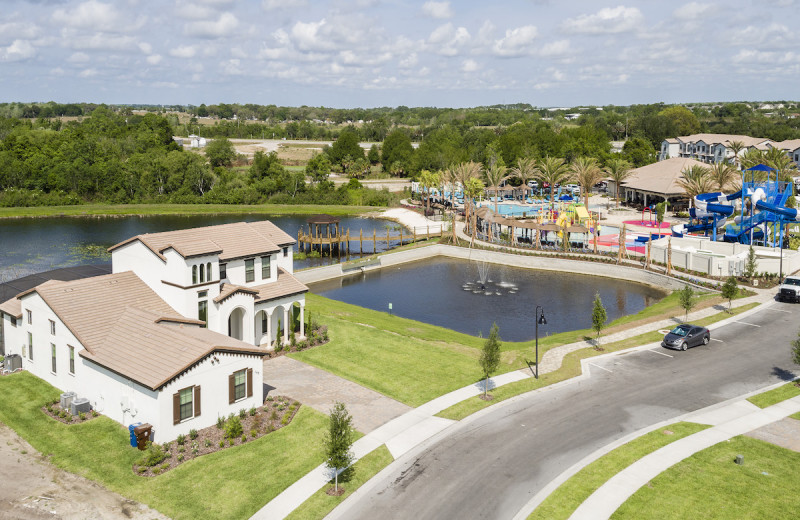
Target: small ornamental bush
x,y
156,471
181,439
220,422
269,398
152,455
234,428
180,457
192,434
82,416
253,433
181,449
94,413
253,411
208,443
244,437
68,418
285,420
222,443
167,446
242,413
230,442
165,466
274,415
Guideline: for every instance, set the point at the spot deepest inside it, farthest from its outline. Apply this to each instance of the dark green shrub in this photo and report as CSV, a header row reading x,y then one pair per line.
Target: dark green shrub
x,y
181,439
220,422
253,411
233,428
193,434
242,413
152,455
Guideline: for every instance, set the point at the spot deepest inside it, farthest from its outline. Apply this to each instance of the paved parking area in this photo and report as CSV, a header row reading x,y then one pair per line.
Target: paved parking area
x,y
320,389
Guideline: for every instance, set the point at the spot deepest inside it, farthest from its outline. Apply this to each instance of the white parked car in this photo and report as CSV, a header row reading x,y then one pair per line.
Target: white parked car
x,y
790,289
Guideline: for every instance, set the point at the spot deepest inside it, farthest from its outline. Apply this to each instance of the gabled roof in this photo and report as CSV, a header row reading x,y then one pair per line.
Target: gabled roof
x,y
661,177
789,145
725,139
12,307
227,290
127,328
287,285
229,241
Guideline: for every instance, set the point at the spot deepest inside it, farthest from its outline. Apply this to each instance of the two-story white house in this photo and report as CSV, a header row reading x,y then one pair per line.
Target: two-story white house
x,y
175,336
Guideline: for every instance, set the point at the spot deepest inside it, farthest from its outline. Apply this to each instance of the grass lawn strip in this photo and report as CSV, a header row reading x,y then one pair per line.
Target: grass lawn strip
x,y
710,485
776,395
564,500
570,367
320,503
181,209
233,483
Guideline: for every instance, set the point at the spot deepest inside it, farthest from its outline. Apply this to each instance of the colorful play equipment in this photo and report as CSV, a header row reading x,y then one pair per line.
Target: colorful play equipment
x,y
759,212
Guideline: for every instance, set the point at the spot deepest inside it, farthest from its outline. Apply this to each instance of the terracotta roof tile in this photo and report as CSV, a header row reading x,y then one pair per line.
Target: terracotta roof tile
x,y
12,307
227,290
286,285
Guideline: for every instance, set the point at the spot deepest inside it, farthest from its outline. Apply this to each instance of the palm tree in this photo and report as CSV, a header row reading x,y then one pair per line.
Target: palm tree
x,y
495,175
736,147
464,172
525,169
472,188
723,175
784,166
753,157
552,170
696,180
587,173
428,180
618,170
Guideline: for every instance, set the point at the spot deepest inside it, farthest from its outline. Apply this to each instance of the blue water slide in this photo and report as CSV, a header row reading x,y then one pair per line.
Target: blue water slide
x,y
781,210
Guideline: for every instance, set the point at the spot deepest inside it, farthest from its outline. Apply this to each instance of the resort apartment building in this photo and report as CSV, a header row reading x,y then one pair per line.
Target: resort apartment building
x,y
714,148
175,336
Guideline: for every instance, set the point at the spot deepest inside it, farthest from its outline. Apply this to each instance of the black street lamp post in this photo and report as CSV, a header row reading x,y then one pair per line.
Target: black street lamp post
x,y
540,320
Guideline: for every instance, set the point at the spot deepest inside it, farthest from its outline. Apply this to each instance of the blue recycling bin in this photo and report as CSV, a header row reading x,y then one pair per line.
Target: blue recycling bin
x,y
132,427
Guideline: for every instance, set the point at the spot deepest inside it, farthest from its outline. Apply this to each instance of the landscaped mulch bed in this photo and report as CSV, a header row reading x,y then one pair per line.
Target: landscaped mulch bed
x,y
55,411
277,412
317,335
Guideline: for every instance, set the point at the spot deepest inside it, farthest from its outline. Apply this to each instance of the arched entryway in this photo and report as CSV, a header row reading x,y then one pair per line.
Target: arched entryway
x,y
236,323
262,328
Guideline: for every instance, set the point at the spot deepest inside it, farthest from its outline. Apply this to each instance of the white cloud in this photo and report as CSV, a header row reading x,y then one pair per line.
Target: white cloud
x,y
99,41
609,20
223,26
409,61
154,59
58,71
448,40
516,42
556,48
469,65
88,73
694,11
269,5
183,51
765,57
311,36
78,57
437,10
15,30
19,50
146,48
93,15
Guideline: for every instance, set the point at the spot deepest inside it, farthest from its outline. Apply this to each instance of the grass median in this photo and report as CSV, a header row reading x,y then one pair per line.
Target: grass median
x,y
710,485
232,483
776,395
562,502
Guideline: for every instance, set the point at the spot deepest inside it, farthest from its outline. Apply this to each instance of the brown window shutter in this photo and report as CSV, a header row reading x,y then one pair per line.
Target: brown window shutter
x,y
197,401
176,408
249,382
231,390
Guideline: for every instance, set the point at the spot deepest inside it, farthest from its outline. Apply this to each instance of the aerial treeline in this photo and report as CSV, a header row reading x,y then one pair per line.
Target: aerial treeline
x,y
118,158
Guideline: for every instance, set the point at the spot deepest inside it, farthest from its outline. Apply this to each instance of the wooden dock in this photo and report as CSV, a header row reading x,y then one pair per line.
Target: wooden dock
x,y
341,243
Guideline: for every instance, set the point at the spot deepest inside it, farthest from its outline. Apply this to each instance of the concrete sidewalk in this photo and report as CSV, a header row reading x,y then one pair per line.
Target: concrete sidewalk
x,y
729,421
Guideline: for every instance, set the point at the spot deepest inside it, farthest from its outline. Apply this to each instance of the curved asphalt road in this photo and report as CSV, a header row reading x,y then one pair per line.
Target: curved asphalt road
x,y
491,467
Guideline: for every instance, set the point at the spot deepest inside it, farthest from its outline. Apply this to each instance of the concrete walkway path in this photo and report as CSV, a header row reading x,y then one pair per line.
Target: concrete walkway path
x,y
734,419
320,390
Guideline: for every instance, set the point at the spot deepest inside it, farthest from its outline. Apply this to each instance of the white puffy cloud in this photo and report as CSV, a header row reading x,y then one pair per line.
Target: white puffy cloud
x,y
556,48
95,16
438,10
154,59
469,65
516,42
695,11
409,61
224,25
78,57
183,51
17,30
765,57
19,50
270,5
609,20
99,41
449,40
88,73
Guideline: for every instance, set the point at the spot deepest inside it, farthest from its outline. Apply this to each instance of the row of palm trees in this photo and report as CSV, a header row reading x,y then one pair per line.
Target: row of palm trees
x,y
584,171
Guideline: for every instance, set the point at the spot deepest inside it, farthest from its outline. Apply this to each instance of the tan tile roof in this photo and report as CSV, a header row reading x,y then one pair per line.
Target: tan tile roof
x,y
12,307
725,139
790,145
287,285
661,177
126,327
230,241
227,290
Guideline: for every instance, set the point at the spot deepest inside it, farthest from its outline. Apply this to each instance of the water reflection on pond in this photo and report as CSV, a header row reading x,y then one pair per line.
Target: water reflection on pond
x,y
433,291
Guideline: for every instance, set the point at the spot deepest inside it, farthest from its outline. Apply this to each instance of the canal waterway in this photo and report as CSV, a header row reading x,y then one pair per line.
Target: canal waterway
x,y
448,292
35,245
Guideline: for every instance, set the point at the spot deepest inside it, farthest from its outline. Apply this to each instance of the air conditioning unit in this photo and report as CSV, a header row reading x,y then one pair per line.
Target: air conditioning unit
x,y
80,405
66,400
13,362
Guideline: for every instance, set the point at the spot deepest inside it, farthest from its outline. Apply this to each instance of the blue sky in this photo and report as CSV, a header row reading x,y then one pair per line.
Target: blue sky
x,y
388,53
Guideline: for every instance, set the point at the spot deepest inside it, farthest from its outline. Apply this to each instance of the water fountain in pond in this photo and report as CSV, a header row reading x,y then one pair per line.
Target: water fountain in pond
x,y
486,286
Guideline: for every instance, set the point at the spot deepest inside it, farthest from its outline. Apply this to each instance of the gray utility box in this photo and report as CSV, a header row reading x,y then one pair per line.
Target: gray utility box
x,y
80,405
13,362
66,400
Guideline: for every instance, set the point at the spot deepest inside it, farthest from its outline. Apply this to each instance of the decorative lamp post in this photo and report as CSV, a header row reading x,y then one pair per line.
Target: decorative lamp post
x,y
540,320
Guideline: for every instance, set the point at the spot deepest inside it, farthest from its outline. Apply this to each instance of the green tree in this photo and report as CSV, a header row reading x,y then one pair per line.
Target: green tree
x,y
661,208
338,443
599,317
723,175
490,356
220,152
319,168
587,173
397,148
751,264
682,119
374,155
729,290
686,299
639,152
552,171
524,171
428,180
495,176
618,170
345,146
695,180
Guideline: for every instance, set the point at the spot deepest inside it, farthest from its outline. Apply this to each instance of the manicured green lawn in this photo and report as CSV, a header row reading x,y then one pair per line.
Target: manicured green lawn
x,y
233,483
564,500
320,503
776,395
709,485
181,209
